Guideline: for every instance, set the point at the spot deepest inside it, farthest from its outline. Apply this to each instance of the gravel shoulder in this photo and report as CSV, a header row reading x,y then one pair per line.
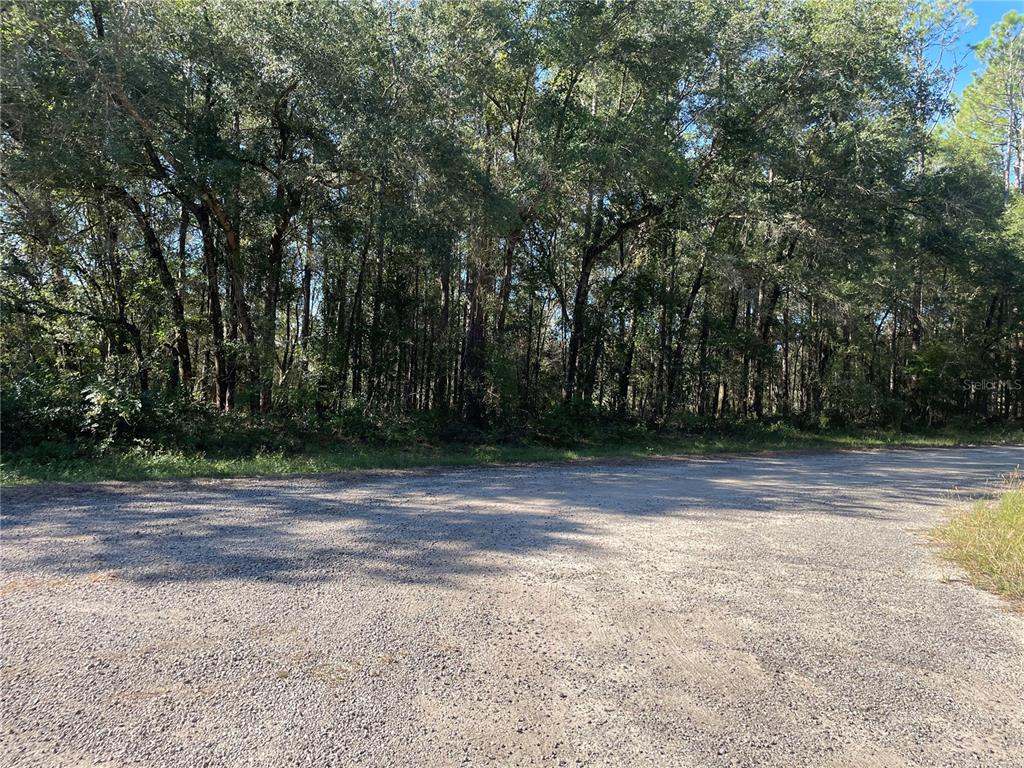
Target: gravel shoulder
x,y
780,610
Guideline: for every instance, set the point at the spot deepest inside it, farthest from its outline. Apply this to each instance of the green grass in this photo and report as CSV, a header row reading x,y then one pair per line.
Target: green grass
x,y
156,464
988,542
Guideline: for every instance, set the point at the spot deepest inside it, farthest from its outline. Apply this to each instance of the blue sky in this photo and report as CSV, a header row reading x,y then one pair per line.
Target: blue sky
x,y
988,13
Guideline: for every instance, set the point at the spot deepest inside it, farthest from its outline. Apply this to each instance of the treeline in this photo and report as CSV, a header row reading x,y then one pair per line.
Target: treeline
x,y
490,209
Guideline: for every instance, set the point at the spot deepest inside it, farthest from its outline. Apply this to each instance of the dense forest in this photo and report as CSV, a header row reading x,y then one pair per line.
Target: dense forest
x,y
486,212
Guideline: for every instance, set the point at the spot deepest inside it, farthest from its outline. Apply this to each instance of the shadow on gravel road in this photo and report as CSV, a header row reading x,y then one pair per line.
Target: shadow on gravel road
x,y
431,526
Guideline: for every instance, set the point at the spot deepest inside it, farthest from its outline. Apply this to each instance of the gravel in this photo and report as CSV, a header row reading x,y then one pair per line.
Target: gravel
x,y
780,610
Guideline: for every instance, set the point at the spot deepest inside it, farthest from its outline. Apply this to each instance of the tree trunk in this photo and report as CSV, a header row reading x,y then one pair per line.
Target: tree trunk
x,y
307,286
474,352
441,342
155,252
213,306
236,284
675,362
577,330
766,352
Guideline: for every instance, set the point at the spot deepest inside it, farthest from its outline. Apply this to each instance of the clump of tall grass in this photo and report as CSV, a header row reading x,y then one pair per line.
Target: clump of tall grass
x,y
987,540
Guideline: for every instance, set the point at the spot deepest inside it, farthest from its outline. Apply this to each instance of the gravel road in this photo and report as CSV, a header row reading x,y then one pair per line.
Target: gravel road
x,y
780,610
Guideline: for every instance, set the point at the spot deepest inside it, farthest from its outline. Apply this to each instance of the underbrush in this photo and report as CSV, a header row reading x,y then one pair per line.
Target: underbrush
x,y
102,431
237,444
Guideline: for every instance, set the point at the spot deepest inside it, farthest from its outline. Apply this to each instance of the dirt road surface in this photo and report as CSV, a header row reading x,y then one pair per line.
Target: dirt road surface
x,y
780,610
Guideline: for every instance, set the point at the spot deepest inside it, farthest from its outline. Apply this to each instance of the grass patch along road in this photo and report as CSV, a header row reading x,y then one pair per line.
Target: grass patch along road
x,y
988,541
166,464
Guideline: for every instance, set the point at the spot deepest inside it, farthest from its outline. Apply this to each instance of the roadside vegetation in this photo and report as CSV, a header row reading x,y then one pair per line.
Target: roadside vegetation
x,y
191,441
988,541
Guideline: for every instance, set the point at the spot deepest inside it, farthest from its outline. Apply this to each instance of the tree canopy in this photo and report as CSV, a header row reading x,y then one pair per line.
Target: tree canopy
x,y
491,210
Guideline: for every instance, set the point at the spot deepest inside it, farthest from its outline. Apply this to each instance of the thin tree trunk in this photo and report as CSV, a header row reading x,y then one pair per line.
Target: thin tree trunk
x,y
213,308
154,250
